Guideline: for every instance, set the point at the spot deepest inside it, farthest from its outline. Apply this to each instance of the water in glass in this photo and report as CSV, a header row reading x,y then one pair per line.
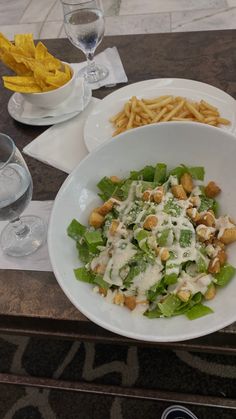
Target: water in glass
x,y
85,28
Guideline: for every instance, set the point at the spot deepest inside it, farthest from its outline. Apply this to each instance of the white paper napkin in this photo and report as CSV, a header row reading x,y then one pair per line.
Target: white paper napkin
x,y
39,260
110,58
62,146
73,104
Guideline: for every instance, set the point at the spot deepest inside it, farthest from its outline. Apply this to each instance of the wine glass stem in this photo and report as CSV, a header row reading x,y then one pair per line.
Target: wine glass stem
x,y
21,229
91,62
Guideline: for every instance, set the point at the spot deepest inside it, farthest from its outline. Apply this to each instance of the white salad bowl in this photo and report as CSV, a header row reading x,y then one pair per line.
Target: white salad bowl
x,y
172,143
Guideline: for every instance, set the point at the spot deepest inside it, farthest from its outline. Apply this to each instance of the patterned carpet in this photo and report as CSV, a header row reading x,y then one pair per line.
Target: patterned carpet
x,y
108,364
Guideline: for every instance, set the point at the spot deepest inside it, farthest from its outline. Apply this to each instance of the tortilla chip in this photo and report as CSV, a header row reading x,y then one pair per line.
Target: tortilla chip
x,y
42,55
18,67
5,44
23,89
20,80
26,43
58,79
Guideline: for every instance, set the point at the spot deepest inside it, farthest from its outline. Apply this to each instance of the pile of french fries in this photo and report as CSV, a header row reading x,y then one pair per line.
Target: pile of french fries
x,y
137,112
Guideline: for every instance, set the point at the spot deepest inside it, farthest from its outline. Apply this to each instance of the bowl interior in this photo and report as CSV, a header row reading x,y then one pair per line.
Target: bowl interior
x,y
172,143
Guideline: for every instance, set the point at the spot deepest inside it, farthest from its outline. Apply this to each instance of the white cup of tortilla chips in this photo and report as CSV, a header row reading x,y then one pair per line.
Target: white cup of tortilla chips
x,y
40,77
52,98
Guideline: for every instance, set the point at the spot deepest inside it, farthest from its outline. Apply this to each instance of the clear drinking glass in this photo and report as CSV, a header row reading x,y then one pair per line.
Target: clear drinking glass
x,y
84,26
24,235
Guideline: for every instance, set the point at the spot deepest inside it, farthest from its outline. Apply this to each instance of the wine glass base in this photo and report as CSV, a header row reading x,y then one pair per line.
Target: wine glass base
x,y
98,73
13,245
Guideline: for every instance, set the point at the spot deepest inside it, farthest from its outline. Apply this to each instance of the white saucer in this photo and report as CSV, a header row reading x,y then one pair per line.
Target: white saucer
x,y
15,110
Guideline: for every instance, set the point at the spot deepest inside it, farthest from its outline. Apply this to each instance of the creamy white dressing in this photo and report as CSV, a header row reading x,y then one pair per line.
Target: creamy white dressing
x,y
172,270
120,257
208,231
152,242
193,284
163,219
175,226
196,191
126,205
212,251
110,296
183,203
223,223
140,309
101,259
138,189
115,201
121,230
173,180
194,212
145,280
170,239
140,216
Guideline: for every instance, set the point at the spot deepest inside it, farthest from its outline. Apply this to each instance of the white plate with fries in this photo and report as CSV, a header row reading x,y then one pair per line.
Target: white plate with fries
x,y
163,100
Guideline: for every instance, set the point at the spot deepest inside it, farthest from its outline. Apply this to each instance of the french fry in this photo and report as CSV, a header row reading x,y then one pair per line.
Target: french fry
x,y
116,116
132,113
159,115
223,121
178,98
127,109
161,103
118,131
184,114
138,112
120,117
207,112
155,100
174,111
146,109
144,115
210,119
182,119
195,112
208,106
122,122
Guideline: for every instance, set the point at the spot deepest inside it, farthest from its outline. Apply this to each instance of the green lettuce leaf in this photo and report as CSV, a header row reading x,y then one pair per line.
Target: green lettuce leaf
x,y
198,310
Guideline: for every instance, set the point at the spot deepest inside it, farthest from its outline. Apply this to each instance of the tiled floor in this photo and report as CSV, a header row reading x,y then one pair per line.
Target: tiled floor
x,y
44,17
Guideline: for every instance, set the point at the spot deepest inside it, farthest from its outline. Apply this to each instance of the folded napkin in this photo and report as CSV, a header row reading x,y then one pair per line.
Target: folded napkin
x,y
74,103
110,58
62,146
39,260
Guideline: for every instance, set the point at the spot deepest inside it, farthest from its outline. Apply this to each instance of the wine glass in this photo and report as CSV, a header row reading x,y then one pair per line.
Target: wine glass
x,y
84,26
24,235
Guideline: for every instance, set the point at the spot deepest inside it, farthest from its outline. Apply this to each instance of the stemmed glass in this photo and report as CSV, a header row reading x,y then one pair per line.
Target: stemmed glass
x,y
24,235
84,26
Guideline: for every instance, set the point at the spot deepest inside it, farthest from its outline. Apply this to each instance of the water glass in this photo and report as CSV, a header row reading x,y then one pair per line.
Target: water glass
x,y
23,235
84,26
